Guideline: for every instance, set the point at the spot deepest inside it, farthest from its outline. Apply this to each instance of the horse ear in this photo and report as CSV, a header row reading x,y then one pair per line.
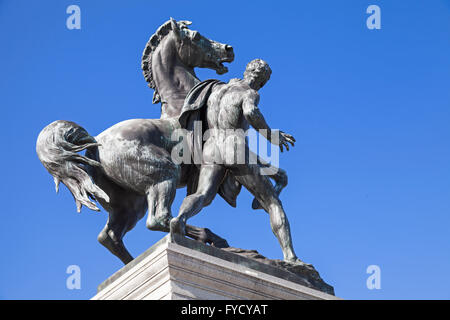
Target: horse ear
x,y
175,28
185,23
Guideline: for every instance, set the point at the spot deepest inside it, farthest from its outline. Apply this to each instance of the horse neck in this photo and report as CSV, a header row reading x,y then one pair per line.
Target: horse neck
x,y
172,78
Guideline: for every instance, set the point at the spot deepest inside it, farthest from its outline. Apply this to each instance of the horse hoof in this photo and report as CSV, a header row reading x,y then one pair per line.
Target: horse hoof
x,y
256,205
222,243
177,227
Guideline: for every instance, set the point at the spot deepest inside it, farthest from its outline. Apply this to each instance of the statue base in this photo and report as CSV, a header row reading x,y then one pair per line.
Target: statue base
x,y
179,268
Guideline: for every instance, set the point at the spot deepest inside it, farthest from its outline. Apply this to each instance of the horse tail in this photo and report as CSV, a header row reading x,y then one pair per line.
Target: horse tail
x,y
57,146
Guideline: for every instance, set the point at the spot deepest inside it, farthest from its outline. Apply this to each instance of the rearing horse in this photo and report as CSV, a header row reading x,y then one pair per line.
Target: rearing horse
x,y
128,168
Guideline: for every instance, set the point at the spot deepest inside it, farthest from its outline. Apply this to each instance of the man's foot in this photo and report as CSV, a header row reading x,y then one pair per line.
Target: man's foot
x,y
298,262
178,226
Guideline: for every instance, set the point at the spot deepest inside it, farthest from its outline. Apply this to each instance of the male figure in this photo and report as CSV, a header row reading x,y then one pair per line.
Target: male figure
x,y
231,107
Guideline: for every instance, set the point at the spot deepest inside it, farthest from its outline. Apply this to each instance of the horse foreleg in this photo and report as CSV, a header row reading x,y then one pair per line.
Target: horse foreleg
x,y
276,174
205,235
160,197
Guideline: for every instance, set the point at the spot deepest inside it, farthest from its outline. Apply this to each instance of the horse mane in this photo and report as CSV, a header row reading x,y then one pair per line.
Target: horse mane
x,y
150,47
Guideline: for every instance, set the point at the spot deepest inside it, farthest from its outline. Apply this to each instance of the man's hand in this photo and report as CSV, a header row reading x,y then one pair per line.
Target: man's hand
x,y
285,139
255,118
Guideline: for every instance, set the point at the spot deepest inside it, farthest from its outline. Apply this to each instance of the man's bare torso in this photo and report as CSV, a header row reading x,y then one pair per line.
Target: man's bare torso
x,y
225,105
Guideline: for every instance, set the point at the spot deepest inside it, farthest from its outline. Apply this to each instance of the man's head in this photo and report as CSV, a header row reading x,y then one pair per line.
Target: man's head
x,y
257,73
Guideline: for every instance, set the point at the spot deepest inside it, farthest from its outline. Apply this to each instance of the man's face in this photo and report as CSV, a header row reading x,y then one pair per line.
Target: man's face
x,y
257,73
262,81
257,79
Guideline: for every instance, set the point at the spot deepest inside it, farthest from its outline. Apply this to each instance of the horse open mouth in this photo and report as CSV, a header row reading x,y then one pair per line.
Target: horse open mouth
x,y
220,68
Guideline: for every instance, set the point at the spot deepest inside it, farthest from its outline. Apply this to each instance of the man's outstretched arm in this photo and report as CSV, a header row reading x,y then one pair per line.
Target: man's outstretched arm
x,y
255,118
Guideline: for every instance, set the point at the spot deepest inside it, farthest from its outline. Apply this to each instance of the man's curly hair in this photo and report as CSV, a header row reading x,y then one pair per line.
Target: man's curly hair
x,y
260,68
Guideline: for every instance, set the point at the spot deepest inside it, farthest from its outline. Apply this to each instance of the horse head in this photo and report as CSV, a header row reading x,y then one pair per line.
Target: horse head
x,y
170,57
195,50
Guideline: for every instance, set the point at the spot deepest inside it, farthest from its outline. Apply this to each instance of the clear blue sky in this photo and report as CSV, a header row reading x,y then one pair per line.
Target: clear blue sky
x,y
369,178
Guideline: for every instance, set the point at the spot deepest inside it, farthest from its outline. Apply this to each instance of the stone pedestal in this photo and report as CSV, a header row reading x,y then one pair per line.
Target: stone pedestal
x,y
179,268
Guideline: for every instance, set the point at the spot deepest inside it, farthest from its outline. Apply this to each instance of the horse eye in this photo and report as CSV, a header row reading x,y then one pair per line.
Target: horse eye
x,y
196,36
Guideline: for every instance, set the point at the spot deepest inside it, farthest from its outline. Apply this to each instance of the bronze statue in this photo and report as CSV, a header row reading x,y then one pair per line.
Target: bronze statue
x,y
227,108
128,168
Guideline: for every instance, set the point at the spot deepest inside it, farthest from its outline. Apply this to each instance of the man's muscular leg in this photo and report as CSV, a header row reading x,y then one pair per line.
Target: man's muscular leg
x,y
260,186
211,176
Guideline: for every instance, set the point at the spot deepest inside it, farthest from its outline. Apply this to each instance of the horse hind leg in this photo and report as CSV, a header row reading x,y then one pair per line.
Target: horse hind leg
x,y
160,198
125,209
112,234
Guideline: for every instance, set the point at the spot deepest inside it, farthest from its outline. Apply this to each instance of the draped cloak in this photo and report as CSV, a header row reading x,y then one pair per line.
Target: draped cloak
x,y
194,109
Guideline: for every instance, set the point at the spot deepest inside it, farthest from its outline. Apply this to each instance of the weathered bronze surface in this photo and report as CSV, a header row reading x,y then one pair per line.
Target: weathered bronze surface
x,y
129,168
